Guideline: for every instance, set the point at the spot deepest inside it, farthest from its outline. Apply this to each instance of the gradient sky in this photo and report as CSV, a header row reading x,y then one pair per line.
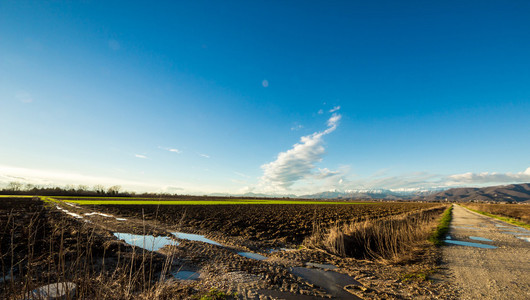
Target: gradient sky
x,y
265,96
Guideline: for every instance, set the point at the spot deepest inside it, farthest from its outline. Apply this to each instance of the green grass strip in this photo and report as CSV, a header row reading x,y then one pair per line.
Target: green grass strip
x,y
441,230
49,199
504,219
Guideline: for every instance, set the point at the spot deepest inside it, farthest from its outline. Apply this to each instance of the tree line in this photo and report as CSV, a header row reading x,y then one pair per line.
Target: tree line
x,y
18,188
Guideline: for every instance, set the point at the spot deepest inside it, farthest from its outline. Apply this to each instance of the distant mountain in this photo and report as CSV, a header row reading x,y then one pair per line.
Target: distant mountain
x,y
502,193
505,193
369,194
365,194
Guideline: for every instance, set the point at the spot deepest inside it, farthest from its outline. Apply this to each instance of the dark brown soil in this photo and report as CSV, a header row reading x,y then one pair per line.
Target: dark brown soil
x,y
85,251
288,224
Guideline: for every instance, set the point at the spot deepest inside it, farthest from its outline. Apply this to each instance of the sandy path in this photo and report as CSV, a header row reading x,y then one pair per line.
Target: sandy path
x,y
481,273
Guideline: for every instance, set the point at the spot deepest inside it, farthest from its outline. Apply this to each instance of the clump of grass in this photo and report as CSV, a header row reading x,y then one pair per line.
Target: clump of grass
x,y
215,294
392,239
443,227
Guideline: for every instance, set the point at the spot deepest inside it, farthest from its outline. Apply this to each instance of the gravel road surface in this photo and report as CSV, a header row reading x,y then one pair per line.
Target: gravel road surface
x,y
487,258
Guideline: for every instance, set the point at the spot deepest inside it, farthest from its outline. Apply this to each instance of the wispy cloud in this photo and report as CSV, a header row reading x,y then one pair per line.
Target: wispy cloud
x,y
334,109
140,156
320,111
489,177
297,127
58,177
241,174
325,173
174,150
299,161
204,155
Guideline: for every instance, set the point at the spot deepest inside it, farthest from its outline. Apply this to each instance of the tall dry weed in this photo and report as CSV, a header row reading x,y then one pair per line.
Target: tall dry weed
x,y
391,238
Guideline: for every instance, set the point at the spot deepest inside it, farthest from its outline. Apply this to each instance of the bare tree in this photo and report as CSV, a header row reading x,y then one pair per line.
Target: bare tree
x,y
14,186
114,190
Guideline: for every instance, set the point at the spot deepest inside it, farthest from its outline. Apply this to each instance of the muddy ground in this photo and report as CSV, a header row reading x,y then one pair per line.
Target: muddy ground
x,y
262,229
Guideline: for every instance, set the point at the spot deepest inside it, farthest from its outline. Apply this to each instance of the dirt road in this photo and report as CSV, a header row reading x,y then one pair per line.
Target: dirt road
x,y
487,258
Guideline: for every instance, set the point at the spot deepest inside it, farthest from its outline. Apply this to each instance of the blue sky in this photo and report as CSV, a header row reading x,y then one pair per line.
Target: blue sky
x,y
298,97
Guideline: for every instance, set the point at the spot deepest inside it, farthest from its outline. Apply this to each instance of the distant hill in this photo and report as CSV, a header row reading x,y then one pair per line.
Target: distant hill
x,y
380,194
503,193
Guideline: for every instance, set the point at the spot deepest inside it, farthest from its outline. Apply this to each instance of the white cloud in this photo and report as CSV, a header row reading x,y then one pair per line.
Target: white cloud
x,y
334,109
241,174
320,111
325,173
174,150
487,177
299,161
56,177
140,156
297,127
204,155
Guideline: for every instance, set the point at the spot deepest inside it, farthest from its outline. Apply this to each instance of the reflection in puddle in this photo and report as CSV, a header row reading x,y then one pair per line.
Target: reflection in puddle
x,y
499,225
281,249
186,275
252,255
477,245
98,214
68,212
331,281
524,238
194,237
147,242
477,238
321,266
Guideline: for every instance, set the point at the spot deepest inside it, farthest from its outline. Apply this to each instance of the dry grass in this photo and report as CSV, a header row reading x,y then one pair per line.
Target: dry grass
x,y
41,246
392,239
520,212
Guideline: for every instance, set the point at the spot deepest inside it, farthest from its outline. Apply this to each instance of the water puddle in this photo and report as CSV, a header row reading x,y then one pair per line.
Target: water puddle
x,y
68,212
104,215
330,281
252,255
186,275
147,242
499,225
98,214
524,238
321,266
194,237
469,244
477,238
280,249
5,278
